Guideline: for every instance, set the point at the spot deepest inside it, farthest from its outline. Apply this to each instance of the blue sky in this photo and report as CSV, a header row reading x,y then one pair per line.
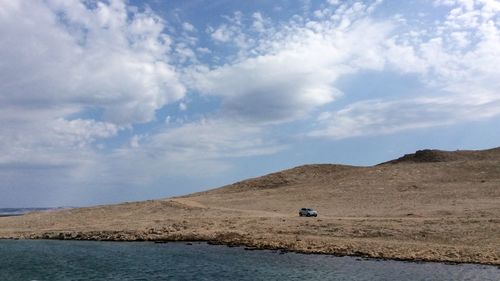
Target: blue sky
x,y
110,101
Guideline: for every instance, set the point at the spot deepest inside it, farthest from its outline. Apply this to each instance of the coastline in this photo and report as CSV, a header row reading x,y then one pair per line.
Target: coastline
x,y
384,250
443,207
272,247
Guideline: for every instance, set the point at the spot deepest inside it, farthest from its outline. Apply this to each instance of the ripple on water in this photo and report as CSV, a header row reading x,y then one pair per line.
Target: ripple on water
x,y
43,260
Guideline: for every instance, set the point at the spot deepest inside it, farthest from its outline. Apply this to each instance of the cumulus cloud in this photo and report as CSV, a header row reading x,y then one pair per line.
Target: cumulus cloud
x,y
457,62
51,141
286,73
74,74
81,132
68,53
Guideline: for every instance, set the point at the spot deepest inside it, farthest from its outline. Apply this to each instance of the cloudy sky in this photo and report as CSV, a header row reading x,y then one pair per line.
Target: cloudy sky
x,y
113,101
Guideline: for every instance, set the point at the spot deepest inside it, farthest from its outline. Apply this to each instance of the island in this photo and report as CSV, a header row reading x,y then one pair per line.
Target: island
x,y
431,205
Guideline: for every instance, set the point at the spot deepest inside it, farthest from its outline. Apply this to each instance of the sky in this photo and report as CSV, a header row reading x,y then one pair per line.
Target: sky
x,y
110,101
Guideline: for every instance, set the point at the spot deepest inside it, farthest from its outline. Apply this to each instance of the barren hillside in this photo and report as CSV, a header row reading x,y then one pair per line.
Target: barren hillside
x,y
430,205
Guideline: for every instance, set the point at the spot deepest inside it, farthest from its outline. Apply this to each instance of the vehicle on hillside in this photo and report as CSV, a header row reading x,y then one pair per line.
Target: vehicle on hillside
x,y
308,212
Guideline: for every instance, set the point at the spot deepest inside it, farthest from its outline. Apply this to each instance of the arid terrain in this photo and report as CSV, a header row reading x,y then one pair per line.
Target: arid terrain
x,y
431,205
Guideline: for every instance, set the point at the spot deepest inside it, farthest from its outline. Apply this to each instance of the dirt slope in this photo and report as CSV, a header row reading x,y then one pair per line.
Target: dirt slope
x,y
430,205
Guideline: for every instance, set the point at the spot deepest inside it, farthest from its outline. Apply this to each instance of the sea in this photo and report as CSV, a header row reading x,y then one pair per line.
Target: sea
x,y
51,260
6,212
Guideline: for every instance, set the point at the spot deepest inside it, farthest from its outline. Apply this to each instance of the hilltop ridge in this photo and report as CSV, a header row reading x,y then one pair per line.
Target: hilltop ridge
x,y
434,155
295,175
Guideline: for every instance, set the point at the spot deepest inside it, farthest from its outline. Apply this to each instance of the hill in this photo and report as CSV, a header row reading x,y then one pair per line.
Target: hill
x,y
430,205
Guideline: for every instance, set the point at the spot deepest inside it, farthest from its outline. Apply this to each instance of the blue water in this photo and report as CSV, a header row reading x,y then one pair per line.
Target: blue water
x,y
21,211
81,260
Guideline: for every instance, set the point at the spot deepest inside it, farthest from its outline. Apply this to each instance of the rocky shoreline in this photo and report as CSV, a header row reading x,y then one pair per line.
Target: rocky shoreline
x,y
282,243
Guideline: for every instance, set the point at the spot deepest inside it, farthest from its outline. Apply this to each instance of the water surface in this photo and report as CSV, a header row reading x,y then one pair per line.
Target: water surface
x,y
6,212
45,260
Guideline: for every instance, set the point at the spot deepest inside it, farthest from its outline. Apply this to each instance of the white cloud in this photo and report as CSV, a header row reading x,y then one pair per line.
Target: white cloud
x,y
461,39
185,54
82,132
378,117
203,50
333,2
223,33
188,27
61,60
197,148
182,106
210,143
57,142
259,23
461,71
284,74
61,53
267,89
